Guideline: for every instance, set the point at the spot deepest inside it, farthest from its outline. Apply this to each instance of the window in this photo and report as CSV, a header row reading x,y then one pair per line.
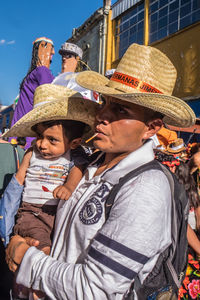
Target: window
x,y
166,17
130,28
169,16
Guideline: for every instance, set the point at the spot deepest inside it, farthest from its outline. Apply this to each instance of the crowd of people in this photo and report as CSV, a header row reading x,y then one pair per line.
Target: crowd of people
x,y
89,209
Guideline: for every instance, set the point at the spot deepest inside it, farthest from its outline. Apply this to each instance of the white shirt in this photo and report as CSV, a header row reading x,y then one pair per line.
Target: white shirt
x,y
43,176
94,259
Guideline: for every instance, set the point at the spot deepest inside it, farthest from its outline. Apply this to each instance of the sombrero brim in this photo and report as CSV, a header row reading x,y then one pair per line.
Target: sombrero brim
x,y
75,108
176,111
171,151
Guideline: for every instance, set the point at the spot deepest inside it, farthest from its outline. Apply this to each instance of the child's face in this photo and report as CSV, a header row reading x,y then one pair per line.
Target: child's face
x,y
51,142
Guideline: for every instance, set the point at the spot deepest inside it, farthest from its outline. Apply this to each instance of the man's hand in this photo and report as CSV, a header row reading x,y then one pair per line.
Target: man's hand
x,y
15,252
62,192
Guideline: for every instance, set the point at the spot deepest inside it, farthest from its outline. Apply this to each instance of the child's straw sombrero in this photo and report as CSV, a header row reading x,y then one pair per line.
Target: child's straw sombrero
x,y
144,76
55,102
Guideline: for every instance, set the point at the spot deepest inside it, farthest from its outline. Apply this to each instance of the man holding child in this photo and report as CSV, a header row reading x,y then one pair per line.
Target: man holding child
x,y
95,258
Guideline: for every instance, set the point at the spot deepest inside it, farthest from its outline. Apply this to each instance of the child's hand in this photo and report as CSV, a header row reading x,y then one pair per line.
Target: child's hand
x,y
21,173
62,192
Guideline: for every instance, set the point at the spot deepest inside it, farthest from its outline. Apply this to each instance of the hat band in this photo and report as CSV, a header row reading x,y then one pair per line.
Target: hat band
x,y
134,83
41,103
177,147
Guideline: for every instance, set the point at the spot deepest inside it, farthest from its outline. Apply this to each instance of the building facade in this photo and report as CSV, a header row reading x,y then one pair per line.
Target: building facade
x,y
91,36
173,26
6,115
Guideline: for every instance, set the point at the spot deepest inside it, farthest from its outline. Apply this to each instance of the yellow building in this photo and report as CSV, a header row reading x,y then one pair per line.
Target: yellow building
x,y
173,26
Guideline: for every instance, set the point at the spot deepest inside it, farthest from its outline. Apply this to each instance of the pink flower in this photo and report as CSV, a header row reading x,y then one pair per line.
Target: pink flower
x,y
194,288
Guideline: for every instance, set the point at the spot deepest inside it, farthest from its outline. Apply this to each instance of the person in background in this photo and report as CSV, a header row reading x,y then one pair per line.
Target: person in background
x,y
182,170
71,56
21,141
191,285
38,73
194,165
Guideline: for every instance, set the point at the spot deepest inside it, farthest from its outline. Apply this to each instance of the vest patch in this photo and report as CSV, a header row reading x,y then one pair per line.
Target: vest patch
x,y
92,210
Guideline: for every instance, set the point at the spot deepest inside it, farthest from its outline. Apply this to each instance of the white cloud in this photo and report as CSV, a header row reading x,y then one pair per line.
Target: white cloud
x,y
11,42
4,42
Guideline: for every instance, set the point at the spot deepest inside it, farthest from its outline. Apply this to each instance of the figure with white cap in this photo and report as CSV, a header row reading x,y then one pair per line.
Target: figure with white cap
x,y
71,54
103,246
38,73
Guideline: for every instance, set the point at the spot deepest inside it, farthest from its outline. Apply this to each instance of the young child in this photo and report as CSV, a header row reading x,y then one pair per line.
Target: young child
x,y
44,173
53,167
45,177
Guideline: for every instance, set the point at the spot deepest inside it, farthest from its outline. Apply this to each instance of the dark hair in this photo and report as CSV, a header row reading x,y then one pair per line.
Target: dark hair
x,y
21,141
183,174
152,115
34,61
72,129
195,149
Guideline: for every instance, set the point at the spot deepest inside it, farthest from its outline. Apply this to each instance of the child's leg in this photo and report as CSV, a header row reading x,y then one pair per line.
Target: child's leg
x,y
41,220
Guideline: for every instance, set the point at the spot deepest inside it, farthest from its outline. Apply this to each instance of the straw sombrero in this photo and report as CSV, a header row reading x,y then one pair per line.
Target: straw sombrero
x,y
144,76
55,102
176,146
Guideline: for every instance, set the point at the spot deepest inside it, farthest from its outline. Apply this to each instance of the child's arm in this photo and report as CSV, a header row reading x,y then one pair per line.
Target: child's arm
x,y
21,173
64,191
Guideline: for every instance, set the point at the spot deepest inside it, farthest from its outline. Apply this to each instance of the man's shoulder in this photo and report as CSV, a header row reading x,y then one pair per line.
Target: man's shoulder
x,y
152,183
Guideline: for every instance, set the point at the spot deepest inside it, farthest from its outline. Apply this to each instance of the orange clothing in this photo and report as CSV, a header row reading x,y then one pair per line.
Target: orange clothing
x,y
166,136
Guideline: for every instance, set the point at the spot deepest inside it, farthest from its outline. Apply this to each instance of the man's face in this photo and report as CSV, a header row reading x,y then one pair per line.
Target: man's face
x,y
69,63
45,53
120,126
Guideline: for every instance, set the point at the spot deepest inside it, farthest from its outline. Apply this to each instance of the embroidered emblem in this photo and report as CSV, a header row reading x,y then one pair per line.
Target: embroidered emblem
x,y
91,212
93,209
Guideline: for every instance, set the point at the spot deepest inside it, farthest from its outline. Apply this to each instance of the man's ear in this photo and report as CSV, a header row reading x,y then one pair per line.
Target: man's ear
x,y
75,143
153,127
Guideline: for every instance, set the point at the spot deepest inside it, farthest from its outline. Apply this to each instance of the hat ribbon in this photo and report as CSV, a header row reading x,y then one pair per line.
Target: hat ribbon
x,y
177,147
42,103
134,83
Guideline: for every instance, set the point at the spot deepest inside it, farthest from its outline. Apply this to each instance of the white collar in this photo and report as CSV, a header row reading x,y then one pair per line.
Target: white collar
x,y
134,160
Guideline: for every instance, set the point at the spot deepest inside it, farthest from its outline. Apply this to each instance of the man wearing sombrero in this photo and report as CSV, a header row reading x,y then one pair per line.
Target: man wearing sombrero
x,y
94,257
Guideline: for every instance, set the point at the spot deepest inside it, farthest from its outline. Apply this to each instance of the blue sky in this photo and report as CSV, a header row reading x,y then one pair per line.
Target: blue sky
x,y
21,22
